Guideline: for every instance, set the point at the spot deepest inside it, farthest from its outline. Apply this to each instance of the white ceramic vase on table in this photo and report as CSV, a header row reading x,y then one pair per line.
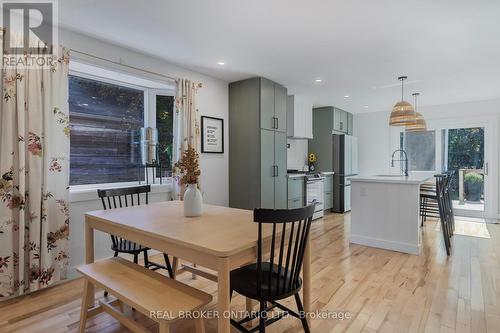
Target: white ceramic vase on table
x,y
193,201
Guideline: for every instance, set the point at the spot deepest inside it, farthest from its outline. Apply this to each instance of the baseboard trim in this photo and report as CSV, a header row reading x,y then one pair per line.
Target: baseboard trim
x,y
385,244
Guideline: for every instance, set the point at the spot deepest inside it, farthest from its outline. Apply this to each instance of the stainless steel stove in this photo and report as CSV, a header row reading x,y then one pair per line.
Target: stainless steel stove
x,y
314,191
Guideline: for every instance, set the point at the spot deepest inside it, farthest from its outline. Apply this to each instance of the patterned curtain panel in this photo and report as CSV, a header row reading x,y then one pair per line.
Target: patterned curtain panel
x,y
188,125
34,157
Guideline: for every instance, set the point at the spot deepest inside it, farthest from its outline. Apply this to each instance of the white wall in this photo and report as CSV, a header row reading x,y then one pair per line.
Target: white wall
x,y
296,154
373,135
212,101
377,140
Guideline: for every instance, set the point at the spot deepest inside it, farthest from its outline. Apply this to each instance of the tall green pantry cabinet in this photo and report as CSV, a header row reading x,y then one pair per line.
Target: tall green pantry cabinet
x,y
257,144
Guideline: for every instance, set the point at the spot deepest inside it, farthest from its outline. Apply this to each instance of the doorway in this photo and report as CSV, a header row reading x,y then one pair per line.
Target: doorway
x,y
463,154
436,151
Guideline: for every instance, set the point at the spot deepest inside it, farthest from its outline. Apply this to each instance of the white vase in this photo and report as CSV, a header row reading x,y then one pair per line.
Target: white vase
x,y
193,201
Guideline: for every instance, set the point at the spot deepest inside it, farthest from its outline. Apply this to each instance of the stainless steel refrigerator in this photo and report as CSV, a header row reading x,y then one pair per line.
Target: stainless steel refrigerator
x,y
345,165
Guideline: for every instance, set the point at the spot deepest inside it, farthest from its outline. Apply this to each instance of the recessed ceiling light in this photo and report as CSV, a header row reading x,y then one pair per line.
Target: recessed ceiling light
x,y
221,63
346,96
318,80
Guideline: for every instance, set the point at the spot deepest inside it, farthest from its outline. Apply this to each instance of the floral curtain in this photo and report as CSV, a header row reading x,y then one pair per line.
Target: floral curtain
x,y
34,178
188,125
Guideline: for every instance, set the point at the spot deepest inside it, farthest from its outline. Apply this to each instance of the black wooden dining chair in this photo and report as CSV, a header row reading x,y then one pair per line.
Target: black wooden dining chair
x,y
278,278
429,196
429,200
125,197
438,203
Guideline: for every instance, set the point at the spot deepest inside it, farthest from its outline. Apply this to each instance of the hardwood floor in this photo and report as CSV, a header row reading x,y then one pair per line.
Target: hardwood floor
x,y
383,291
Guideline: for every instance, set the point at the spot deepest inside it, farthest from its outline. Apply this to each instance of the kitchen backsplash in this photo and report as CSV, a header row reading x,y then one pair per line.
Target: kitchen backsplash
x,y
296,153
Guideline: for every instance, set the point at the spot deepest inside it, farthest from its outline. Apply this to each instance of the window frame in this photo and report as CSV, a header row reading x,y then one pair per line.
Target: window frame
x,y
151,105
149,115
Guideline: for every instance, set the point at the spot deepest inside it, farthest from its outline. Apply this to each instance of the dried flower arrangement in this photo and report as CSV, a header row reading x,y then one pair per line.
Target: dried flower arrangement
x,y
189,167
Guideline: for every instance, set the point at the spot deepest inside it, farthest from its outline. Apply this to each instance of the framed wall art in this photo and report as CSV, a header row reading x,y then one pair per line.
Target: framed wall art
x,y
212,138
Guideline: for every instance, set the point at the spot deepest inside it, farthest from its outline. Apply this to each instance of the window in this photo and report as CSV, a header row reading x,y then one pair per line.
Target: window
x,y
106,117
421,150
165,126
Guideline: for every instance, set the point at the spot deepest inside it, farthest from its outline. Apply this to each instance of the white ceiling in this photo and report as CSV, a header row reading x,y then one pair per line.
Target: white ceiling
x,y
450,49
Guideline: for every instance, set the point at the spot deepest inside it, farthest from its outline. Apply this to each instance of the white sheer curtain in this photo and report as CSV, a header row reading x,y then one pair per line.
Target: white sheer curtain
x,y
187,124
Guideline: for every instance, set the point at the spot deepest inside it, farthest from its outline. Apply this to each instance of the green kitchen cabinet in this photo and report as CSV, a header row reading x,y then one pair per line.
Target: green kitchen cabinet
x,y
350,124
328,191
273,169
296,187
257,149
296,192
267,168
267,119
340,120
272,106
324,121
280,97
321,144
280,180
295,203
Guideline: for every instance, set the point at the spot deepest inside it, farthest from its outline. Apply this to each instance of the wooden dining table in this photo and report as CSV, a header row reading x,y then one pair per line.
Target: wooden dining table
x,y
221,239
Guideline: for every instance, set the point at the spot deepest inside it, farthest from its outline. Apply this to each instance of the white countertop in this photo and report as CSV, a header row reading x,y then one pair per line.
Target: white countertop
x,y
413,178
295,175
298,175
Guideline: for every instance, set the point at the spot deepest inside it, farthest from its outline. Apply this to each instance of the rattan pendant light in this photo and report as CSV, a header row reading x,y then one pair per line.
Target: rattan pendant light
x,y
402,113
419,124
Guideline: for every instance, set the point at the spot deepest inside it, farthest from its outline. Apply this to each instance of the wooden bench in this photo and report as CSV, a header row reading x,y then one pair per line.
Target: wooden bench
x,y
160,298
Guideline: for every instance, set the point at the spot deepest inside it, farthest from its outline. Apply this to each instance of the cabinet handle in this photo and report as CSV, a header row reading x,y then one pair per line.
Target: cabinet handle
x,y
277,171
277,123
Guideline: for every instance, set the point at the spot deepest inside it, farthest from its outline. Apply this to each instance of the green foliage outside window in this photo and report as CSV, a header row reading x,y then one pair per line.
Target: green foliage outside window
x,y
165,125
465,151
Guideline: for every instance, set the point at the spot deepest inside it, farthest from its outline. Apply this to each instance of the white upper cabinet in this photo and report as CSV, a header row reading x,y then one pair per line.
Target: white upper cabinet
x,y
299,117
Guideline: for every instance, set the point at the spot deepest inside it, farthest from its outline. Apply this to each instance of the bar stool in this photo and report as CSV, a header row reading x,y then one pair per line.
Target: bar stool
x,y
437,203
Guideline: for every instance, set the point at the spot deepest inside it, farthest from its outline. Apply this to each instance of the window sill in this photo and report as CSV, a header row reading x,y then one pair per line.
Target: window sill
x,y
89,192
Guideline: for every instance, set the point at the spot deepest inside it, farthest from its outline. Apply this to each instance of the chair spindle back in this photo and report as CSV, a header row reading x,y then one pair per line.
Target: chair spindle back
x,y
124,197
290,230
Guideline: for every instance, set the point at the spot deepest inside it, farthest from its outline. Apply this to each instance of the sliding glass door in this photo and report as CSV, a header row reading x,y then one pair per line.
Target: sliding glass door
x,y
463,155
463,146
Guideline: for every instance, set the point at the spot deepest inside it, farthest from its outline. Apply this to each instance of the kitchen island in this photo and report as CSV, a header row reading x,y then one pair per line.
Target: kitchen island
x,y
385,211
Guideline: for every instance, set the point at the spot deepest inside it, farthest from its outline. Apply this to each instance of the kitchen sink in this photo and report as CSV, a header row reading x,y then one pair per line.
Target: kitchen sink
x,y
393,175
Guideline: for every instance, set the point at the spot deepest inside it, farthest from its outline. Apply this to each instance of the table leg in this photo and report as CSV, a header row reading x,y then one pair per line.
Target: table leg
x,y
89,258
307,277
83,310
175,266
223,301
250,304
